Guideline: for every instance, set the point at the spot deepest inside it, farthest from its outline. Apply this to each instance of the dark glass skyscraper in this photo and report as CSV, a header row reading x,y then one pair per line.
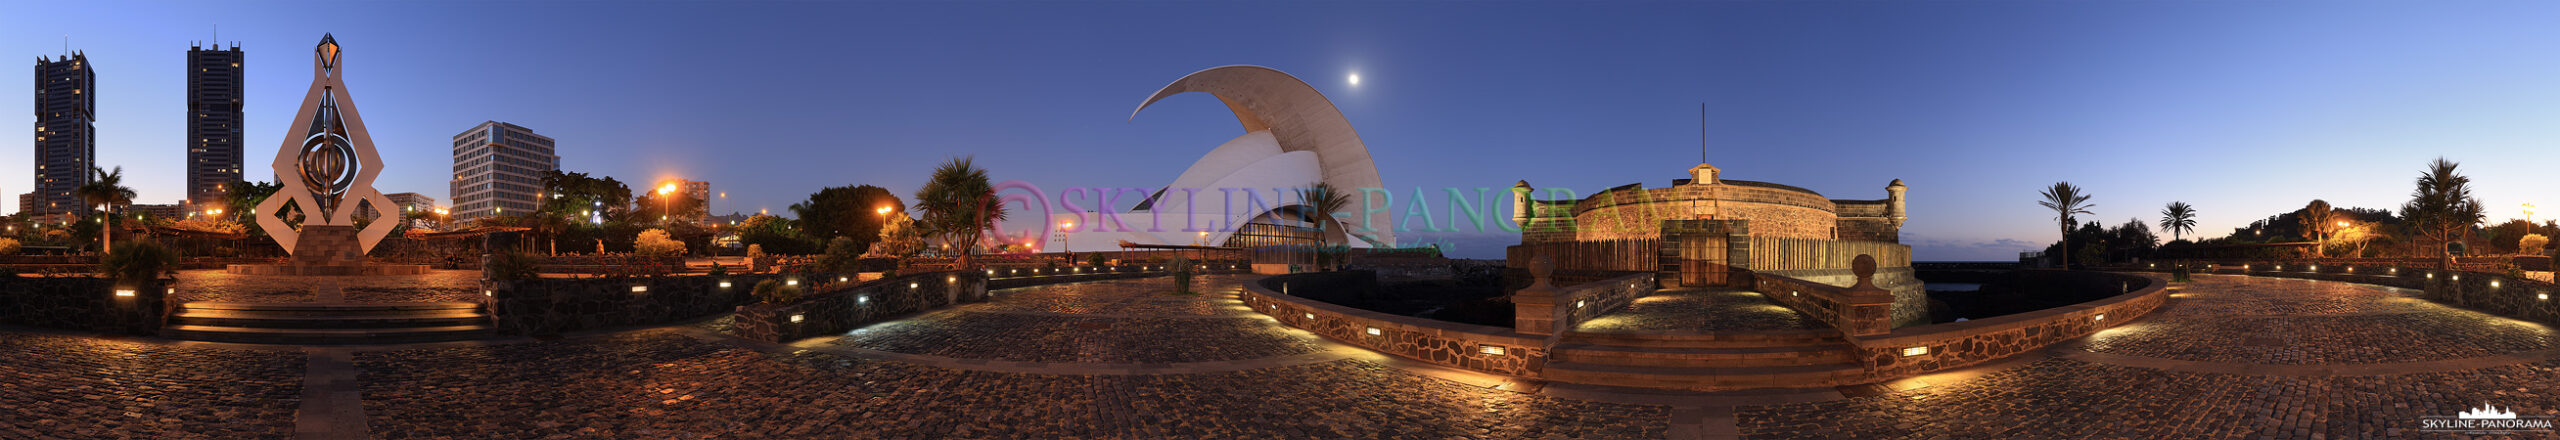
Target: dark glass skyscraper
x,y
66,131
213,121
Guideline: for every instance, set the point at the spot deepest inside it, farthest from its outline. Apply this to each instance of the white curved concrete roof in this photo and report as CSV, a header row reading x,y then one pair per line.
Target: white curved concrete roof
x,y
1297,119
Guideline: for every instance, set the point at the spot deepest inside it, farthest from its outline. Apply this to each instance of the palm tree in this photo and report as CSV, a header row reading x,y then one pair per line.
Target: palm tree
x,y
2178,219
105,190
2442,206
1326,201
959,204
2066,200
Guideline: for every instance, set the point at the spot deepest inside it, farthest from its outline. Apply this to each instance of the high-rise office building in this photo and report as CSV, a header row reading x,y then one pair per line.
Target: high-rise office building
x,y
66,131
497,169
213,121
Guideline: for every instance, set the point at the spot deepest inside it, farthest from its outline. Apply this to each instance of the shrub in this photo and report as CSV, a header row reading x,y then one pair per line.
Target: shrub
x,y
137,261
842,256
8,246
2530,244
654,242
776,293
512,266
1094,260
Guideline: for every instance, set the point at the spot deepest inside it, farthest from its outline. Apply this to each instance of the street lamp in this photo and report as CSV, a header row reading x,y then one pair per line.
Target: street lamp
x,y
1063,244
2528,219
666,205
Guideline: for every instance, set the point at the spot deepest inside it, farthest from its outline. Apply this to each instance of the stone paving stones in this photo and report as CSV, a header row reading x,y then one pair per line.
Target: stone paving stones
x,y
1043,338
2276,321
2067,399
658,385
83,388
1701,310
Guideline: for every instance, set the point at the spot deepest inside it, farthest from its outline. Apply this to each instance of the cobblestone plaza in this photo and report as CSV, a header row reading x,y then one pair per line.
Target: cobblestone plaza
x,y
2230,357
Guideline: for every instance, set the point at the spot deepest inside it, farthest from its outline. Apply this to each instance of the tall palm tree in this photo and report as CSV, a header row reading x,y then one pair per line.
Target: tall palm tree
x,y
2178,219
959,204
2442,206
1326,200
2066,200
106,190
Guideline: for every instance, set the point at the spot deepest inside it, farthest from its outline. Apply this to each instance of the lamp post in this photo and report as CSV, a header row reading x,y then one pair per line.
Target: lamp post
x,y
1063,244
666,205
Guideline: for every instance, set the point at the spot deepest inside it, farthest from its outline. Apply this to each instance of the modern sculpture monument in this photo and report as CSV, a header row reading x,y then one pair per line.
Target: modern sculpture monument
x,y
327,165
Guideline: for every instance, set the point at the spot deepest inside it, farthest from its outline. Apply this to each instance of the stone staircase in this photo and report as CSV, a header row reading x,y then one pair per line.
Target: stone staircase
x,y
321,324
1706,361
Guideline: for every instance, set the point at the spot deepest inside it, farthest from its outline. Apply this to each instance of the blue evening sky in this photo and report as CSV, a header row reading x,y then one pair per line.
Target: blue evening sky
x,y
2244,109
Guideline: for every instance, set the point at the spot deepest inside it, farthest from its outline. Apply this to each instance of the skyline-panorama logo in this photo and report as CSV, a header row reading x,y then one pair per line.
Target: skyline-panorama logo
x,y
2487,419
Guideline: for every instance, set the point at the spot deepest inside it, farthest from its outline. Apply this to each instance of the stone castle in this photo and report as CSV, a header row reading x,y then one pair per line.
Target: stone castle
x,y
1703,230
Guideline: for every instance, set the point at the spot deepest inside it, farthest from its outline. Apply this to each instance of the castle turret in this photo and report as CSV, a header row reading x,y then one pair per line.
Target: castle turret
x,y
1893,203
1703,174
1520,209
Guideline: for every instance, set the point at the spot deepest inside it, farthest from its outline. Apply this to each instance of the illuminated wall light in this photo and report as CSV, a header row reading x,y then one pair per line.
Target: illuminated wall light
x,y
2457,277
2100,317
724,284
795,319
840,279
2493,284
639,289
1495,350
862,299
171,291
124,292
489,293
1914,351
1793,293
951,279
1311,316
1373,331
1577,304
2431,275
790,282
2542,296
911,285
2315,268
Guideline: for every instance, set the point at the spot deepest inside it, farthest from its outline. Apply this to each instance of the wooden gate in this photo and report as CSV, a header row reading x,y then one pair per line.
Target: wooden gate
x,y
1702,260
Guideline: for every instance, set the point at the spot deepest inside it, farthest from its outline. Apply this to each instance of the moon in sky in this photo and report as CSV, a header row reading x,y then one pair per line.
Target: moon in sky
x,y
1355,79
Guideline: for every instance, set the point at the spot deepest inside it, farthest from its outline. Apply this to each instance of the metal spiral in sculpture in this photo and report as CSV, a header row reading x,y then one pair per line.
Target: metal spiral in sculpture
x,y
327,161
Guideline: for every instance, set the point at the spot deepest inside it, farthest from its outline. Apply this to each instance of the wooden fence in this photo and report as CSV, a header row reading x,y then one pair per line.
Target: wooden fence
x,y
1773,253
1643,255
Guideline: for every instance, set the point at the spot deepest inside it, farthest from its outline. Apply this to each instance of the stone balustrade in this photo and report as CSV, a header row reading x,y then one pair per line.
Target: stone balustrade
x,y
1858,310
1473,347
1545,309
1917,350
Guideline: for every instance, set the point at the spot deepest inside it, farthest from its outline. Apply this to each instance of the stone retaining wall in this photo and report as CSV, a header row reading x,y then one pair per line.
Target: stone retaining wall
x,y
843,310
1918,350
83,304
554,305
1473,347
